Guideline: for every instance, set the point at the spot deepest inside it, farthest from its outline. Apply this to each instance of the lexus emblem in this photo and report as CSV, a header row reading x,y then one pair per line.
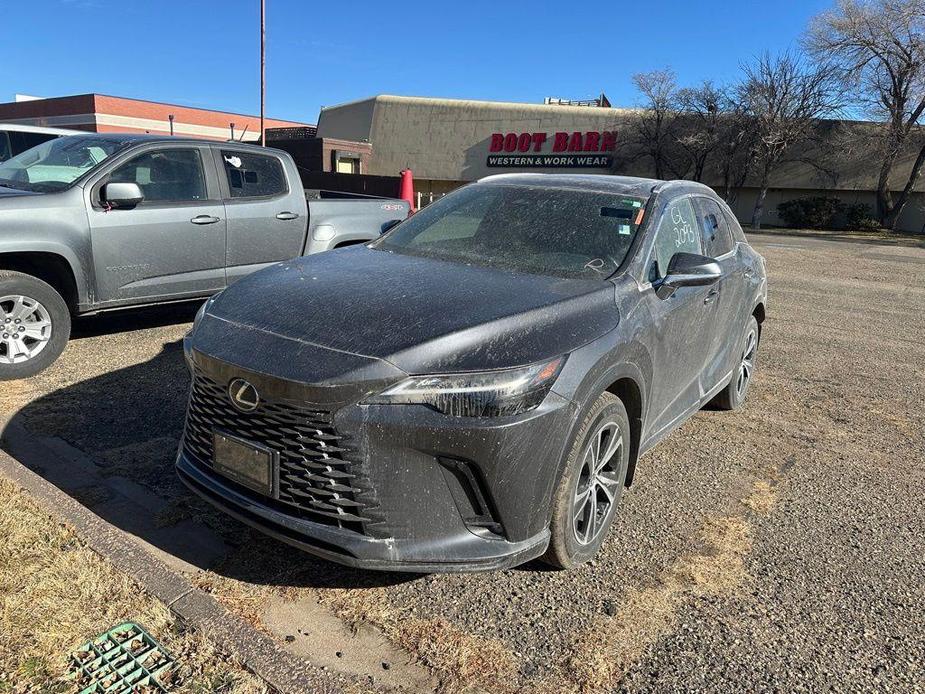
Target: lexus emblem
x,y
243,395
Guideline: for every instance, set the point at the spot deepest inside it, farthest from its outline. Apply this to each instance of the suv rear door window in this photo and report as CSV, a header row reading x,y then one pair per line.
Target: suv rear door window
x,y
717,239
253,175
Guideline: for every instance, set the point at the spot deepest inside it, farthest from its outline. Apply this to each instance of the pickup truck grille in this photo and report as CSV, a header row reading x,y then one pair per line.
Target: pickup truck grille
x,y
320,478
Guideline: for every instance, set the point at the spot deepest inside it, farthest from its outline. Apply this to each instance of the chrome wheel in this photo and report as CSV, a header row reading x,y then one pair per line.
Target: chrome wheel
x,y
598,484
748,363
25,328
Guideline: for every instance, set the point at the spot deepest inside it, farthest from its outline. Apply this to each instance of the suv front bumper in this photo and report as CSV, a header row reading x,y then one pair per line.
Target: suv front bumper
x,y
464,552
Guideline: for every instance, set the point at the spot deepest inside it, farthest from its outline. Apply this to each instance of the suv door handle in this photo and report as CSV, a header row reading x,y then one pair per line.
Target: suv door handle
x,y
205,219
287,215
711,296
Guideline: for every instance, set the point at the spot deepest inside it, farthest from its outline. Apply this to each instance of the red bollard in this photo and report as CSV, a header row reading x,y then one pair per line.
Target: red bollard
x,y
407,187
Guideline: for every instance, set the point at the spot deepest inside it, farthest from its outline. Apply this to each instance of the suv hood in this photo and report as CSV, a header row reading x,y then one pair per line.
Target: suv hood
x,y
419,314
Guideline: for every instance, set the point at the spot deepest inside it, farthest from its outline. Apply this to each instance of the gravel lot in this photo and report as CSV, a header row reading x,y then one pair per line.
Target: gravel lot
x,y
777,548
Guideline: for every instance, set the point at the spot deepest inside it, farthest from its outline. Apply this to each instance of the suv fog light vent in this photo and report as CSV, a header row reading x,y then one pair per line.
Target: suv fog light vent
x,y
468,493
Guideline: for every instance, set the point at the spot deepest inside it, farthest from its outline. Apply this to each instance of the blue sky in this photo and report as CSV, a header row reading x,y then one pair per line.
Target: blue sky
x,y
204,52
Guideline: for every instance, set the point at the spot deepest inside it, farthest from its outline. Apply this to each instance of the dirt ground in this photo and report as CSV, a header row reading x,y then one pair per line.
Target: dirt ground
x,y
781,547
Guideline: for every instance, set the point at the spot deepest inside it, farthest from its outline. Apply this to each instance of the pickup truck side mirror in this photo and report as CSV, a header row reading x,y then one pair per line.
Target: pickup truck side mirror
x,y
688,270
122,195
389,225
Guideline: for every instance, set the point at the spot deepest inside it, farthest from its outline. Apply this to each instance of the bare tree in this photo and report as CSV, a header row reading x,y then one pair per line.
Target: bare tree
x,y
881,44
785,97
656,122
702,120
737,147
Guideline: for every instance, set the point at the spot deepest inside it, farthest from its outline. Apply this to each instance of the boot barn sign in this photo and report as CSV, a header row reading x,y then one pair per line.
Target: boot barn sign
x,y
562,150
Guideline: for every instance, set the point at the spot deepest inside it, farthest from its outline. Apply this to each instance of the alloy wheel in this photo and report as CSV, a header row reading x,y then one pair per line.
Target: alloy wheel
x,y
598,483
748,363
25,328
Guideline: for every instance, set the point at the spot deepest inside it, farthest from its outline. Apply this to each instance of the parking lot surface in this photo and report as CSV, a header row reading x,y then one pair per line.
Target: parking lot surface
x,y
781,547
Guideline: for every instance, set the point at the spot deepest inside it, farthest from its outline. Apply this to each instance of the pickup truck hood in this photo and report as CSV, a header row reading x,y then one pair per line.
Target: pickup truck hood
x,y
418,314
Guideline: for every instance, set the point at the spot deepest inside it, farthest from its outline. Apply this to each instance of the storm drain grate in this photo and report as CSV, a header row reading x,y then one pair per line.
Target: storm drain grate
x,y
123,660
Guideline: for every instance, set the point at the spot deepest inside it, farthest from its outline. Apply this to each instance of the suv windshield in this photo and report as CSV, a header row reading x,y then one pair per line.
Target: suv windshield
x,y
545,231
55,164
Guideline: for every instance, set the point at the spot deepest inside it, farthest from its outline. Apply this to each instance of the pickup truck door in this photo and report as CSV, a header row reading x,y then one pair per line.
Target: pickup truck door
x,y
170,245
266,209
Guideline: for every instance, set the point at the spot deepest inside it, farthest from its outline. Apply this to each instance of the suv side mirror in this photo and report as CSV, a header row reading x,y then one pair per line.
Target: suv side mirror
x,y
122,194
688,270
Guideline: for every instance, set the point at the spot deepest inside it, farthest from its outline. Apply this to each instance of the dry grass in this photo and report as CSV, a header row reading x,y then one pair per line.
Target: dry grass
x,y
598,662
460,661
56,593
246,600
762,498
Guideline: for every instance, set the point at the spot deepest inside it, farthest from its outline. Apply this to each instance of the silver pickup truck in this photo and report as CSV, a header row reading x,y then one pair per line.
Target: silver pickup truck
x,y
95,222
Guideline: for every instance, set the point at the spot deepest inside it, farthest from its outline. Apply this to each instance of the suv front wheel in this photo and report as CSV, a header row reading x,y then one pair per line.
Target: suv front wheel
x,y
589,492
35,325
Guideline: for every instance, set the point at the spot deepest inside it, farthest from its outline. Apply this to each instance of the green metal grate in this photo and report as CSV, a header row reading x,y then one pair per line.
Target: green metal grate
x,y
123,660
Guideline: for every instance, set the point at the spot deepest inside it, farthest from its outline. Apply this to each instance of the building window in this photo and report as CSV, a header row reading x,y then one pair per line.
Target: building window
x,y
346,162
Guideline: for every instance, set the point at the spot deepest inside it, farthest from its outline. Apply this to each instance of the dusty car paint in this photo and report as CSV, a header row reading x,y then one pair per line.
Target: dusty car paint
x,y
435,492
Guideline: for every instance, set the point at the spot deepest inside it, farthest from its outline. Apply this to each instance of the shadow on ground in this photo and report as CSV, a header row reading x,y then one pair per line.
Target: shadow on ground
x,y
110,441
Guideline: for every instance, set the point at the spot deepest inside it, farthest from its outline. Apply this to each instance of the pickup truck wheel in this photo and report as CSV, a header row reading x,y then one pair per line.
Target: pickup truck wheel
x,y
590,489
35,325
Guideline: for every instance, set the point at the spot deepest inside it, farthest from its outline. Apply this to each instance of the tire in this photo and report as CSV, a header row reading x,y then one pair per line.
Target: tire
x,y
32,310
732,397
573,539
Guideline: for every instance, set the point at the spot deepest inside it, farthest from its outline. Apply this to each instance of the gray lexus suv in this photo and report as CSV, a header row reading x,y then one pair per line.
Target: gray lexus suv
x,y
473,389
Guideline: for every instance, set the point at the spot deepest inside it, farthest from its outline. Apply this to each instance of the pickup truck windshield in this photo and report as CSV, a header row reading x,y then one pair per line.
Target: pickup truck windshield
x,y
54,165
544,231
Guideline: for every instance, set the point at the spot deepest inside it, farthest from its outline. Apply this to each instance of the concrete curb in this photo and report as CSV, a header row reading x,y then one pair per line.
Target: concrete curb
x,y
257,652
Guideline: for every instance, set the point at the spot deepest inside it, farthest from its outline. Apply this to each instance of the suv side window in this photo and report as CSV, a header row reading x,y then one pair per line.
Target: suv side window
x,y
166,175
717,239
677,233
5,150
254,175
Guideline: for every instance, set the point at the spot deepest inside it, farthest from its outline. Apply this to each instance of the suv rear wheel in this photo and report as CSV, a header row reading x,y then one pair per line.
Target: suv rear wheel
x,y
589,492
733,395
35,325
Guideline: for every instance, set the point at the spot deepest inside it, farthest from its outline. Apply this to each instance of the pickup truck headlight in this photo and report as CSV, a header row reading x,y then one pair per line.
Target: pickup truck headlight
x,y
484,394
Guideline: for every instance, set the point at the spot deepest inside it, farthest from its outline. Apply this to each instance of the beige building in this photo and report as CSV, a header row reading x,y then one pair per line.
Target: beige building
x,y
449,142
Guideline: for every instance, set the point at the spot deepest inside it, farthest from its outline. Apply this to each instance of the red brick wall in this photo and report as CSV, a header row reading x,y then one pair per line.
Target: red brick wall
x,y
182,114
40,112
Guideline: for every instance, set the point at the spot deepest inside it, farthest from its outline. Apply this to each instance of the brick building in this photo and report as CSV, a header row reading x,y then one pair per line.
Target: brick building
x,y
102,113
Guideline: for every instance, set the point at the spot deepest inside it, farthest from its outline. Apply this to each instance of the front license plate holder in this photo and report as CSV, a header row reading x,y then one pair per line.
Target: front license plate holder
x,y
247,463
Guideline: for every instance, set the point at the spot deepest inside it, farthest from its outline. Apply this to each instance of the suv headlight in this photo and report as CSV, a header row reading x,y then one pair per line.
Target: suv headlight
x,y
484,394
202,310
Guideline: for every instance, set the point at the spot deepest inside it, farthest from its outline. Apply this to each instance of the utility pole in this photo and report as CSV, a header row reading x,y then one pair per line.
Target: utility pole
x,y
263,70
